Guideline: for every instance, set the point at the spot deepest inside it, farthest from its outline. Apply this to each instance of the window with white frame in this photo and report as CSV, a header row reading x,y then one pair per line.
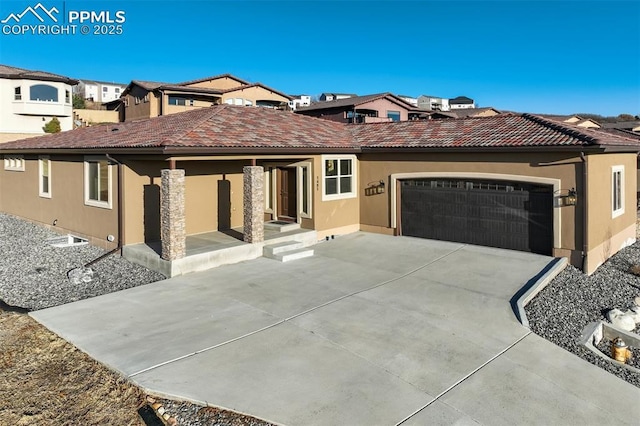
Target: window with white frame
x,y
17,93
617,191
14,163
44,177
338,177
97,182
269,175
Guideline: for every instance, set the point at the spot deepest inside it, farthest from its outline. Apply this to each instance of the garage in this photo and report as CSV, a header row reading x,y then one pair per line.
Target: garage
x,y
503,214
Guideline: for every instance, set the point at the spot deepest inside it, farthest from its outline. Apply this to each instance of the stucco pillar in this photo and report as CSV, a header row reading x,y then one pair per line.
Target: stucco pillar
x,y
253,198
172,220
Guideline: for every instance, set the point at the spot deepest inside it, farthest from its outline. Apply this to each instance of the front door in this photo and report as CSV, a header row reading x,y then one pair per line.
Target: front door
x,y
287,201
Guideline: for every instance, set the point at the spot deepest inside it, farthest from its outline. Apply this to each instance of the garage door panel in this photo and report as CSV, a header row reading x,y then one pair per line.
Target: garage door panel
x,y
498,214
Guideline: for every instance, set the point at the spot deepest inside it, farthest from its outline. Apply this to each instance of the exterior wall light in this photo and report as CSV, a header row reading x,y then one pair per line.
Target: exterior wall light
x,y
374,188
572,197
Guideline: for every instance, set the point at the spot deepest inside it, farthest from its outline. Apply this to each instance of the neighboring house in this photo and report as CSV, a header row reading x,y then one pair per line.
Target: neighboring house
x,y
433,103
575,120
409,99
145,99
298,101
326,97
99,91
461,102
513,181
632,126
466,113
376,108
30,99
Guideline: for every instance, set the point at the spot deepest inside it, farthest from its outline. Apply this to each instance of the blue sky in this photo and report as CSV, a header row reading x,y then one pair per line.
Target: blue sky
x,y
557,57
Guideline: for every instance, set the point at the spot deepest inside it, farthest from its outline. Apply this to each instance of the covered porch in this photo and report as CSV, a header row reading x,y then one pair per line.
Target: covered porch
x,y
212,249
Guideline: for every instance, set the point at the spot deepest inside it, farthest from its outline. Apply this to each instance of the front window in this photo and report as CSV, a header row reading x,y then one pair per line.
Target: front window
x,y
180,100
305,188
67,96
43,93
338,177
97,181
17,94
44,171
393,115
617,190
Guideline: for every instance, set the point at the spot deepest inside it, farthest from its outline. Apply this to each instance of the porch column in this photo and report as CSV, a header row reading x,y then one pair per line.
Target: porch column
x,y
253,198
172,221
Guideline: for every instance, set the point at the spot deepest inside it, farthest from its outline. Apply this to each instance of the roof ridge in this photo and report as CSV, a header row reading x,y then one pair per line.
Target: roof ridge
x,y
561,127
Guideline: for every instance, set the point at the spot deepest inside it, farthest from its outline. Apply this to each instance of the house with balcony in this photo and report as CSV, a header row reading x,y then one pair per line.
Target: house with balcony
x,y
377,108
298,101
145,99
433,103
99,91
31,99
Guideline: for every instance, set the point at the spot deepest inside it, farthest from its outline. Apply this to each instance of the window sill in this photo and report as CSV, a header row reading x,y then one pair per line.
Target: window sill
x,y
99,204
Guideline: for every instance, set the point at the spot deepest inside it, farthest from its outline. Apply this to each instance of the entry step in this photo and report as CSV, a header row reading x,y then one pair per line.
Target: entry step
x,y
281,226
294,255
286,251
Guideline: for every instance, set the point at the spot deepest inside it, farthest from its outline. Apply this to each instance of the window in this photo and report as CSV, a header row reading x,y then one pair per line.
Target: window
x,y
146,97
44,173
393,115
17,94
105,89
137,100
67,96
126,102
43,93
97,183
269,175
305,189
338,177
117,90
180,100
617,190
14,163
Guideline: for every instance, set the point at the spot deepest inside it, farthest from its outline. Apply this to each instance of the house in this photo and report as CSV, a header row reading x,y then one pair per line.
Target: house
x,y
461,102
409,99
99,91
298,101
466,113
145,99
31,99
375,108
633,126
325,97
158,186
575,120
433,103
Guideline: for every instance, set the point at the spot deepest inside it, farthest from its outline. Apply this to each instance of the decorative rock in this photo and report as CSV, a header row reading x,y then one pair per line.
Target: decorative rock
x,y
150,399
621,319
634,313
637,301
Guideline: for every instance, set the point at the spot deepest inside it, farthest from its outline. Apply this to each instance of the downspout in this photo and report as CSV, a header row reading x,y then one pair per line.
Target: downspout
x,y
120,207
585,216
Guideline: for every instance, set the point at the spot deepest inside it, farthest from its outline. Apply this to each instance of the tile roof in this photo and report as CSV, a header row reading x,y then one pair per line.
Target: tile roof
x,y
355,101
14,73
247,86
219,126
155,85
461,100
506,130
227,128
469,112
214,77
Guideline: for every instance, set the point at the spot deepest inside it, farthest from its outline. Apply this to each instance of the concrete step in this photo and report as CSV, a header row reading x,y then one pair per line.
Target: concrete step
x,y
294,254
281,226
272,249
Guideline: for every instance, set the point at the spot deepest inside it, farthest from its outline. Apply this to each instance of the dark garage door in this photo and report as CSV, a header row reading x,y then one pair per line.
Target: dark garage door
x,y
511,215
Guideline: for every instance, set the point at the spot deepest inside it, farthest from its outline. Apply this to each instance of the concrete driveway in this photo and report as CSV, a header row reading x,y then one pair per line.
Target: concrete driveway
x,y
372,330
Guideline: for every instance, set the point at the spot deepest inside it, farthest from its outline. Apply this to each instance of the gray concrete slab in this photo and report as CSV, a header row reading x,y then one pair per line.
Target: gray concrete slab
x,y
371,330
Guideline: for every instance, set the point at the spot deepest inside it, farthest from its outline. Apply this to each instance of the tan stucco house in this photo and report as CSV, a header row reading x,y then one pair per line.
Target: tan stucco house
x,y
514,181
146,99
376,108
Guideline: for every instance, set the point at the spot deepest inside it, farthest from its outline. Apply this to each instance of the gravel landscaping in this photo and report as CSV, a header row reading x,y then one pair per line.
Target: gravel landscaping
x,y
561,311
33,274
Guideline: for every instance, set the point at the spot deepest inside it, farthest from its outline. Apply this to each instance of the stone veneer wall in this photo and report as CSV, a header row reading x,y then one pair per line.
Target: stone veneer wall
x,y
253,198
172,212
